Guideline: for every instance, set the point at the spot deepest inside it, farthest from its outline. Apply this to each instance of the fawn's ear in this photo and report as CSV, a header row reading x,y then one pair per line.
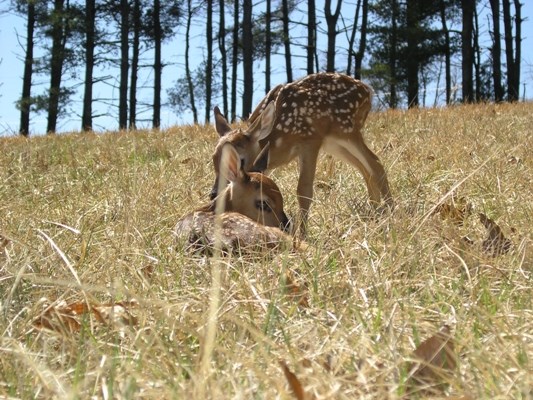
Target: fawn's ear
x,y
221,125
261,161
263,125
230,164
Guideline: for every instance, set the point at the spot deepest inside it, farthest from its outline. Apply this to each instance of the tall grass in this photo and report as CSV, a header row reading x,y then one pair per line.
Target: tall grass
x,y
86,220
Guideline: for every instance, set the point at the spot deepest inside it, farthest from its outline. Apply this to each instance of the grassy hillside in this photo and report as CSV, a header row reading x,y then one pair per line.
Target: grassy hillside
x,y
98,301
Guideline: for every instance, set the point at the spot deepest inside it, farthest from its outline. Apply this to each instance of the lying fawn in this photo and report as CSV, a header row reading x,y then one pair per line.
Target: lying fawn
x,y
321,111
236,232
251,211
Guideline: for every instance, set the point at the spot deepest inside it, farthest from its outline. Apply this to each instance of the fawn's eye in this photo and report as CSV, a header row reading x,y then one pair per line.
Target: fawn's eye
x,y
263,205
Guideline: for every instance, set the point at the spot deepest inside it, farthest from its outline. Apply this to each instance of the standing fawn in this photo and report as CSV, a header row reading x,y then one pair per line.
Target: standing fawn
x,y
296,120
251,211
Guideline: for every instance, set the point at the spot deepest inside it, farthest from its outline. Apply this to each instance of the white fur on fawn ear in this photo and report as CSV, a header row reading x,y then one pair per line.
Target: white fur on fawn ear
x,y
221,125
230,163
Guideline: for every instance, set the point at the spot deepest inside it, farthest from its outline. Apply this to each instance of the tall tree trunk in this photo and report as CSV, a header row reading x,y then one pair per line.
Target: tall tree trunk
x,y
124,65
447,52
209,61
223,55
234,61
496,51
25,101
331,20
247,58
513,62
311,35
56,67
509,52
158,65
477,59
268,46
351,42
362,41
87,116
467,52
287,39
412,62
393,101
187,61
135,63
518,46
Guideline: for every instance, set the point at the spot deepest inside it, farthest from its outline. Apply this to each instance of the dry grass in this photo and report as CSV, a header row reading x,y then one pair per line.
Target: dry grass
x,y
87,220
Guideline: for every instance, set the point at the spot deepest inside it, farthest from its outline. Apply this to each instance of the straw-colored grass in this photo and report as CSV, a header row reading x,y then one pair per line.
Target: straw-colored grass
x,y
86,221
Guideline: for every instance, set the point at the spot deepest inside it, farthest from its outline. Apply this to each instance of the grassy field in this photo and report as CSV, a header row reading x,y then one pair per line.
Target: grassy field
x,y
98,301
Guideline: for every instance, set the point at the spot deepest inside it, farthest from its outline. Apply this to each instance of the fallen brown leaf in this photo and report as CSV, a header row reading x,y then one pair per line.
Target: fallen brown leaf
x,y
65,318
436,360
496,243
60,319
148,271
456,211
294,383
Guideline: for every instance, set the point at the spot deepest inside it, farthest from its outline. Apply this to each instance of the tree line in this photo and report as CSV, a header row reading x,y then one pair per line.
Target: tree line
x,y
401,47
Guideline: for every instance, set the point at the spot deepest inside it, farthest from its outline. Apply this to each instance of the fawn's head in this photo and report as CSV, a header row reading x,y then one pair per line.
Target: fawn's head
x,y
244,141
252,194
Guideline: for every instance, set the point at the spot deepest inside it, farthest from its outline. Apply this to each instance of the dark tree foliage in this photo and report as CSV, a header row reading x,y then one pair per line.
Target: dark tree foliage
x,y
405,39
150,23
57,27
230,40
402,47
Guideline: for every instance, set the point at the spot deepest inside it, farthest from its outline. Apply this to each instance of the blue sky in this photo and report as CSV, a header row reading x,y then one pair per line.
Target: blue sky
x,y
12,30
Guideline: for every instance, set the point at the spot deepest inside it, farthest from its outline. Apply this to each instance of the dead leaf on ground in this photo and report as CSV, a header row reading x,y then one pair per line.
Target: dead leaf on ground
x,y
456,211
295,290
436,362
67,318
148,271
295,384
496,243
